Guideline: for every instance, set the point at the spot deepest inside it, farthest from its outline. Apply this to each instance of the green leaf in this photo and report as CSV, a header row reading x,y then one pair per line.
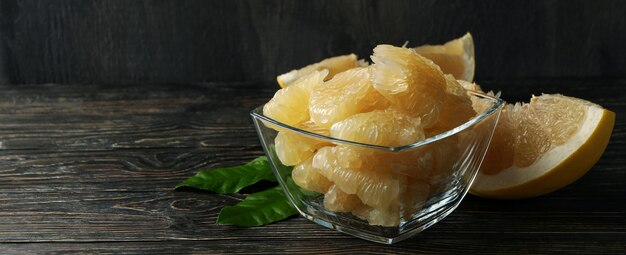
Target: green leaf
x,y
229,180
258,209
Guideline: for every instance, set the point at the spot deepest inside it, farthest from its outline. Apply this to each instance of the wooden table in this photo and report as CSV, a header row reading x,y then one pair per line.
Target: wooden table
x,y
91,168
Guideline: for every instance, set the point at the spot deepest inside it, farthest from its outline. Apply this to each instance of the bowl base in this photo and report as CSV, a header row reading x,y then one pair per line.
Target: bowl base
x,y
351,225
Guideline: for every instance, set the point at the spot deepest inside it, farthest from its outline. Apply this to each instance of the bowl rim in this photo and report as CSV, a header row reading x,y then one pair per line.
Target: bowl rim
x,y
497,104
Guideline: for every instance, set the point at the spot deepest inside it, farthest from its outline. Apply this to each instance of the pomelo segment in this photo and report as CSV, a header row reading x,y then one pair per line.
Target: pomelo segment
x,y
290,105
308,177
384,128
455,57
338,201
293,148
376,189
519,165
456,110
334,66
346,94
412,83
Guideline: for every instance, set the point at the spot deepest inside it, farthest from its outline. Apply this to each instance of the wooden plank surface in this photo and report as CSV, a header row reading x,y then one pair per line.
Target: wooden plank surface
x,y
90,168
120,41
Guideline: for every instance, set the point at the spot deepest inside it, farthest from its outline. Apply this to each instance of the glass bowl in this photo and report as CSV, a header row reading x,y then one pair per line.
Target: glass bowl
x,y
381,194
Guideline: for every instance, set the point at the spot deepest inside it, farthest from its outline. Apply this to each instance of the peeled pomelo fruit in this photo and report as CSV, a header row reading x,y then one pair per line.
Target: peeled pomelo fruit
x,y
412,83
339,201
401,99
444,155
313,128
344,95
375,189
384,128
334,66
455,57
415,164
479,104
351,157
414,197
408,163
471,86
290,150
367,183
293,148
308,177
456,109
290,105
379,216
543,146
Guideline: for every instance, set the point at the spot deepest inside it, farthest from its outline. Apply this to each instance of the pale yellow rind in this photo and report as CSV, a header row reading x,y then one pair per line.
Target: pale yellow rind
x,y
455,57
334,66
557,168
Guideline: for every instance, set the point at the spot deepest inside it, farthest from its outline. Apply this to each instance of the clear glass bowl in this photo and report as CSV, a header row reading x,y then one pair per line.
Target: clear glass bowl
x,y
388,193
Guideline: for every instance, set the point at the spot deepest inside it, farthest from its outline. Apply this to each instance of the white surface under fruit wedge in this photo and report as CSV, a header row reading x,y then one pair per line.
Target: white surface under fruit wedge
x,y
570,151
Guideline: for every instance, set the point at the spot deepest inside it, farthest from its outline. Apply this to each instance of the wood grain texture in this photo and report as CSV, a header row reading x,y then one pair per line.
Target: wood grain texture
x,y
90,169
156,41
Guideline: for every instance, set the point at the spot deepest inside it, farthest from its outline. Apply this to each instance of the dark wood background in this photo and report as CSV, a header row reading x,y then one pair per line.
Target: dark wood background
x,y
106,105
160,41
